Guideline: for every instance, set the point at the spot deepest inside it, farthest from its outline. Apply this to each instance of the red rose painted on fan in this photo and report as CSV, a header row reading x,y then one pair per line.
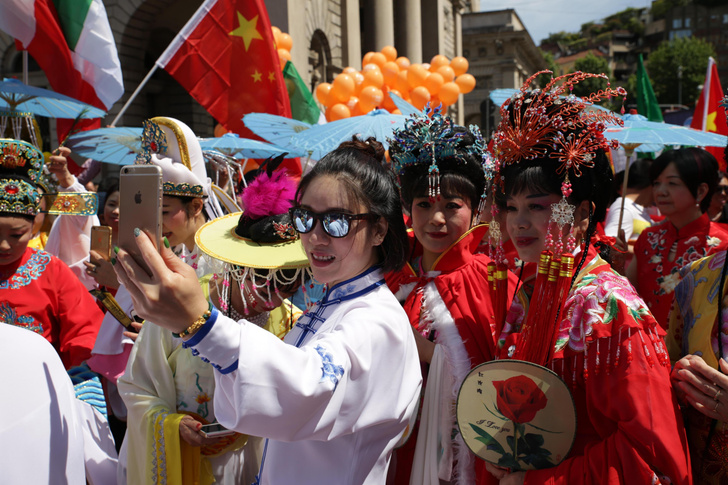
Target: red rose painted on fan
x,y
519,398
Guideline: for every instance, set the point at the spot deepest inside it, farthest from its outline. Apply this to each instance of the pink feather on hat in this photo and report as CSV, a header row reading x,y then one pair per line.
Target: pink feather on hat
x,y
268,195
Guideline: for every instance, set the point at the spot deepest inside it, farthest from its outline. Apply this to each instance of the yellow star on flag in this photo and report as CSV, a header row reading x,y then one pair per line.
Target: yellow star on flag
x,y
247,30
710,124
271,76
257,77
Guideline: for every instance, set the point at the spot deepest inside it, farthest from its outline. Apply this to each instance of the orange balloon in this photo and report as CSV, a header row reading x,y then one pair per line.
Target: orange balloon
x,y
284,54
459,64
338,111
449,93
367,58
276,34
358,80
389,52
373,78
401,84
356,110
447,72
219,130
390,70
352,102
387,103
466,83
396,112
322,93
369,98
438,61
370,67
426,65
416,75
379,59
285,42
419,96
349,70
434,82
342,88
403,62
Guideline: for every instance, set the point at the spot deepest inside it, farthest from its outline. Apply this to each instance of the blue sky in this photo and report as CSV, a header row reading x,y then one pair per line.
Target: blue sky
x,y
543,17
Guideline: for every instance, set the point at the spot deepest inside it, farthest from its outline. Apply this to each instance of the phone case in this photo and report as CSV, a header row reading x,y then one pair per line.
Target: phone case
x,y
140,206
101,241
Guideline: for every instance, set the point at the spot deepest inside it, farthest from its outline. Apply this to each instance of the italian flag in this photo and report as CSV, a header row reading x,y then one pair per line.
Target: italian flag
x,y
71,41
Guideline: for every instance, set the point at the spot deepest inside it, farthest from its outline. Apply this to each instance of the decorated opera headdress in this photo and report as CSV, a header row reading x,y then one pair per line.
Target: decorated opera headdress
x,y
21,176
258,246
431,146
171,144
564,134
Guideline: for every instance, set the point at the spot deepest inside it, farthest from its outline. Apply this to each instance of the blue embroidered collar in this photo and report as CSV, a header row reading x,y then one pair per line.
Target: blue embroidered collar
x,y
360,284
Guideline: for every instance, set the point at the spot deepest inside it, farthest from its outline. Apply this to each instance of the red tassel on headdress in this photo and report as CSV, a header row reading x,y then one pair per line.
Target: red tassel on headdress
x,y
534,316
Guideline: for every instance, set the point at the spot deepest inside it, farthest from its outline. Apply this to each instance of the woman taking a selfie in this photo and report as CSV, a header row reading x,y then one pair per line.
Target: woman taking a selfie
x,y
594,331
336,397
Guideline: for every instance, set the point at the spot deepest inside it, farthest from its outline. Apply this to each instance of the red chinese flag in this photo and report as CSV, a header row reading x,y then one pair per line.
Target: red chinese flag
x,y
225,57
709,115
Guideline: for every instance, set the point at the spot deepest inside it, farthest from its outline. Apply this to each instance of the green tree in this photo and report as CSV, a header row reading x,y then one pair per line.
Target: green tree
x,y
690,54
544,79
595,65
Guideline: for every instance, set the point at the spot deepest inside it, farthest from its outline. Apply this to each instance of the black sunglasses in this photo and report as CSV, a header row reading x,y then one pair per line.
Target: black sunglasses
x,y
335,224
723,189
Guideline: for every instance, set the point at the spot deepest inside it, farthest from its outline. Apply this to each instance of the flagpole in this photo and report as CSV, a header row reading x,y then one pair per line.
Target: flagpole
x,y
134,95
169,51
706,94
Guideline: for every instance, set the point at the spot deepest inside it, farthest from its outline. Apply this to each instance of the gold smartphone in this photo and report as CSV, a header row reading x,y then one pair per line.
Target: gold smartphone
x,y
101,241
140,206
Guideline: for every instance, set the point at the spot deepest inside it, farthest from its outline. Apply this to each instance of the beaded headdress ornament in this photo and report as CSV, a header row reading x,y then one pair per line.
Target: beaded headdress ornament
x,y
427,140
154,142
19,197
20,158
556,125
552,122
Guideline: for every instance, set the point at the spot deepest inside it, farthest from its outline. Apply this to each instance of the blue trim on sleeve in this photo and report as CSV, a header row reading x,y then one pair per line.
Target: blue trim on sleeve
x,y
227,370
202,332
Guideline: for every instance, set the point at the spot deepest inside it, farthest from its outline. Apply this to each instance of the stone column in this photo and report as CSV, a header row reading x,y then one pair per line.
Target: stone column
x,y
351,34
383,23
412,27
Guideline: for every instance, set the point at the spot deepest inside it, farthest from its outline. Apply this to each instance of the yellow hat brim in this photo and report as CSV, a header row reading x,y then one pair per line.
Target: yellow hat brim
x,y
217,238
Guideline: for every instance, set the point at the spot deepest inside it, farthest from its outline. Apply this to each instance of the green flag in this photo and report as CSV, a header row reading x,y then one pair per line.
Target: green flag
x,y
646,100
303,106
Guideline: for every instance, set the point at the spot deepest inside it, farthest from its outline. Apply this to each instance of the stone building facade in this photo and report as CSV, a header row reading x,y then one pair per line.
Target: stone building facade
x,y
328,35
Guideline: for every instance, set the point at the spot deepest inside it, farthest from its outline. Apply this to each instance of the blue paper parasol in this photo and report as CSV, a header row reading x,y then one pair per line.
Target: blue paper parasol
x,y
231,144
18,97
275,129
638,130
117,145
321,139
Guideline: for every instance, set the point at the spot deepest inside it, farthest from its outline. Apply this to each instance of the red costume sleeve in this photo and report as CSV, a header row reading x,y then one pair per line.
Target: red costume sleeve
x,y
639,434
78,316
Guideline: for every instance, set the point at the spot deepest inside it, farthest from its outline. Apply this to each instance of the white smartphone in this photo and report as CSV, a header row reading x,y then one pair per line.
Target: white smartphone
x,y
140,206
215,430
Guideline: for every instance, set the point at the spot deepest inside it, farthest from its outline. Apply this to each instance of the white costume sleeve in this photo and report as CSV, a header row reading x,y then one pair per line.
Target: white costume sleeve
x,y
611,223
70,239
41,437
351,375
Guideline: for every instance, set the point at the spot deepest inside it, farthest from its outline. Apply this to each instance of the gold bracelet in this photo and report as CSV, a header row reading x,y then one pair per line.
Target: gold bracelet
x,y
196,325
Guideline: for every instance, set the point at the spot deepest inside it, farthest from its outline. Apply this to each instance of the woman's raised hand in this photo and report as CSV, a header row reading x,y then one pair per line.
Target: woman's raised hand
x,y
171,297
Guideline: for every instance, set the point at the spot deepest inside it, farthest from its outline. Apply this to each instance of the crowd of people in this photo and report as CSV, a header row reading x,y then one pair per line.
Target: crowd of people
x,y
319,330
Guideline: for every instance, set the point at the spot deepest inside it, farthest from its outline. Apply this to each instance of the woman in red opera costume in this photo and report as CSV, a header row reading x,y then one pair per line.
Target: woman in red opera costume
x,y
590,328
445,287
683,182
